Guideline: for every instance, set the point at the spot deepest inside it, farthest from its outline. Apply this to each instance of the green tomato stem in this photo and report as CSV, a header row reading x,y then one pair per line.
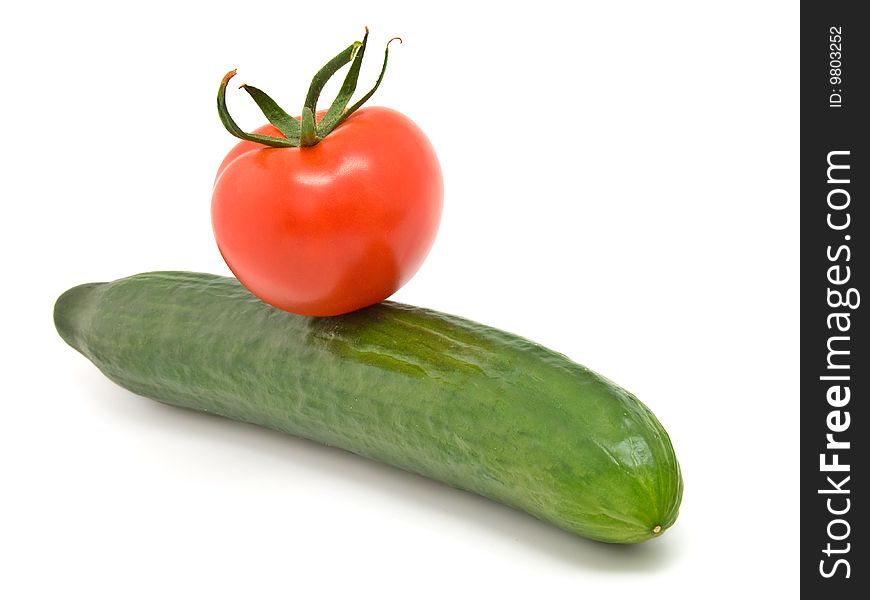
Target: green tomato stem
x,y
308,132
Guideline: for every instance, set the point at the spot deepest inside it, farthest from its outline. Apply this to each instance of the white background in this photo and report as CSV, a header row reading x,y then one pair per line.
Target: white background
x,y
620,185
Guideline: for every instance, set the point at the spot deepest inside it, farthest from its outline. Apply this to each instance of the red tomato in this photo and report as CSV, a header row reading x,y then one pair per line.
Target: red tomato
x,y
330,228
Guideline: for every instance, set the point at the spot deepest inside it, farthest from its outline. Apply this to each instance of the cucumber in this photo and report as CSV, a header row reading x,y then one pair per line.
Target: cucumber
x,y
469,405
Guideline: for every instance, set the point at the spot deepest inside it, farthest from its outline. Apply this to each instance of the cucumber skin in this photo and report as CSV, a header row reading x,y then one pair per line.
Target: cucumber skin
x,y
477,408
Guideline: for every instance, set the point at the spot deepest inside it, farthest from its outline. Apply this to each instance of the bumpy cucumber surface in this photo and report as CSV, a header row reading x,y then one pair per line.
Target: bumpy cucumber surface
x,y
469,405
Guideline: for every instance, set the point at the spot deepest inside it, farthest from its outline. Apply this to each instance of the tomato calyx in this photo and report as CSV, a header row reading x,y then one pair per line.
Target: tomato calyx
x,y
306,131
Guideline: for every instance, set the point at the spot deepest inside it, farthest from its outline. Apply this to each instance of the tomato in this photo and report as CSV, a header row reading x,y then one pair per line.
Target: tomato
x,y
330,228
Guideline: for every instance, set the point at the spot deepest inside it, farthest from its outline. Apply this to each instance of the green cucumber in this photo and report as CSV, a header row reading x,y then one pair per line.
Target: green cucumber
x,y
469,405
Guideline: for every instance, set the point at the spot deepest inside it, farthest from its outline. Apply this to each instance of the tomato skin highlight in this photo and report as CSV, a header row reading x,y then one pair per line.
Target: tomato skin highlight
x,y
330,228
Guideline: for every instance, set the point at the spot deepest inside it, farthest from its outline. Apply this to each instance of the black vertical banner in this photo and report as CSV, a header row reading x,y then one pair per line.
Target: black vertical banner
x,y
834,370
